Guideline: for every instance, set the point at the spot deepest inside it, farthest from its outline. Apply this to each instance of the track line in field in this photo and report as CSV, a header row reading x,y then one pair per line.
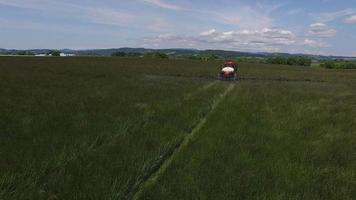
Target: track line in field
x,y
152,179
243,78
204,87
282,80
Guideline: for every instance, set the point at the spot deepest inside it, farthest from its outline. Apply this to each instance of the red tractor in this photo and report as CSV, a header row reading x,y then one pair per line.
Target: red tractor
x,y
228,71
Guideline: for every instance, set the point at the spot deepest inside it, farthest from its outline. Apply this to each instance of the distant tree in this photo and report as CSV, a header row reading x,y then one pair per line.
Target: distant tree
x,y
161,55
338,60
303,61
119,54
348,65
291,61
148,54
194,57
21,53
155,55
339,64
25,53
299,60
213,57
328,64
251,59
54,53
134,54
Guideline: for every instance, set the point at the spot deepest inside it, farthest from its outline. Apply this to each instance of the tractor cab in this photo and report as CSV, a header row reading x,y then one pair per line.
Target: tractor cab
x,y
228,70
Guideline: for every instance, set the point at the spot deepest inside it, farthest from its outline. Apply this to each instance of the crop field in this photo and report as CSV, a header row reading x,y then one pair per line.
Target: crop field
x,y
122,128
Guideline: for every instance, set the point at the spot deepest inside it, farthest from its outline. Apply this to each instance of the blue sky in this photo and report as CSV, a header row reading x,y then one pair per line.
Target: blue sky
x,y
313,26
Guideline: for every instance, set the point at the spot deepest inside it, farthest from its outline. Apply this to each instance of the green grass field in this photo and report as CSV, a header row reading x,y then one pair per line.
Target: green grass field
x,y
113,128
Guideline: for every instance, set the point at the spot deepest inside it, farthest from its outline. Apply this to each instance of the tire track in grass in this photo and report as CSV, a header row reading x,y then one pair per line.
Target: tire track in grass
x,y
204,87
101,141
130,192
152,179
243,78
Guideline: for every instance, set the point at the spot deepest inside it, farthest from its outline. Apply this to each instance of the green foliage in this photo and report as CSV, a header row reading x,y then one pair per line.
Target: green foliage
x,y
194,57
119,54
134,54
250,60
124,54
212,57
348,65
25,53
155,55
204,57
54,53
328,64
338,64
298,60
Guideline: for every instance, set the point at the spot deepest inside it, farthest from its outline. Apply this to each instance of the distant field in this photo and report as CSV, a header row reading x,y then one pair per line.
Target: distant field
x,y
112,128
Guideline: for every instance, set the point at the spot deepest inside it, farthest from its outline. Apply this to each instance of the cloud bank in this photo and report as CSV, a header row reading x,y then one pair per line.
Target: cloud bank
x,y
266,39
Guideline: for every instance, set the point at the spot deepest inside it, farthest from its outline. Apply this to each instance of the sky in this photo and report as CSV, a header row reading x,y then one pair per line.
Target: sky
x,y
325,27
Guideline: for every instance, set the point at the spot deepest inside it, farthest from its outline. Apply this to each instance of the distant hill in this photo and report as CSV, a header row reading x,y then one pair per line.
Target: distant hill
x,y
173,52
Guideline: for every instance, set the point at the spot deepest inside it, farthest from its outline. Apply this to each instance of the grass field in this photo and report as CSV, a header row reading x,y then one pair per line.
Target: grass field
x,y
112,128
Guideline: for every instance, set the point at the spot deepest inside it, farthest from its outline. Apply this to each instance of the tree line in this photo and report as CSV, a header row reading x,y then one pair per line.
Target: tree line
x,y
124,54
338,64
161,55
292,60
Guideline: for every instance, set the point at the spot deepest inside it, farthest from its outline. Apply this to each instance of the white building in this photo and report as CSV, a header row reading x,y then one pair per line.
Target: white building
x,y
61,54
64,54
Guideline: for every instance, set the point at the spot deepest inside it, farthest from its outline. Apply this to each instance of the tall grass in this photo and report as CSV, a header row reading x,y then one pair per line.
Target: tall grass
x,y
268,140
90,128
97,128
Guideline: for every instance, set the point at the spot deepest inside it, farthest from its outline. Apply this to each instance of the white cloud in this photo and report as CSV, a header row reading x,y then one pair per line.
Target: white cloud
x,y
245,17
351,19
29,4
321,30
25,25
89,13
331,16
256,40
269,8
41,5
250,38
314,43
162,4
108,16
208,33
267,39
